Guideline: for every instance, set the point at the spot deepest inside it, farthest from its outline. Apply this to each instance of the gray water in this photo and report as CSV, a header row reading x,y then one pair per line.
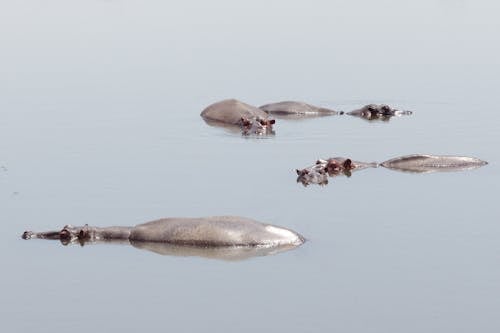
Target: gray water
x,y
99,124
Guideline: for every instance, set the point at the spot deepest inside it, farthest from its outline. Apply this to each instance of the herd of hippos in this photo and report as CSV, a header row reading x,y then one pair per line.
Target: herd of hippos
x,y
233,237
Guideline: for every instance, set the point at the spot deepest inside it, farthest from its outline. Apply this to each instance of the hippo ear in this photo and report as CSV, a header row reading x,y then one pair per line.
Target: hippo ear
x,y
272,121
298,171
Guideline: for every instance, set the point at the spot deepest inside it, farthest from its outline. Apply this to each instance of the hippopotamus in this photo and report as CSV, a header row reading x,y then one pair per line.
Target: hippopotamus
x,y
378,112
432,163
223,237
319,172
297,110
334,166
231,112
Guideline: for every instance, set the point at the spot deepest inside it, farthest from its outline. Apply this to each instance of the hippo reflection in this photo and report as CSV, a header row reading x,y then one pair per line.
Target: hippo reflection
x,y
319,172
378,112
222,237
233,113
297,110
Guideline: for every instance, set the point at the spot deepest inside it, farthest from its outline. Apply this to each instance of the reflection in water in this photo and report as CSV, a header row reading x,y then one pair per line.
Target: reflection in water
x,y
228,253
234,253
335,166
236,129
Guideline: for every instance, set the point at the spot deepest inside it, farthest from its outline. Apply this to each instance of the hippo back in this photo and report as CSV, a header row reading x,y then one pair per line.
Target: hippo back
x,y
230,111
214,231
432,163
297,108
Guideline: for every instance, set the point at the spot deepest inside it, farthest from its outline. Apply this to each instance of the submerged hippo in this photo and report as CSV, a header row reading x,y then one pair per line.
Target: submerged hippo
x,y
223,237
432,163
297,110
319,172
378,112
231,112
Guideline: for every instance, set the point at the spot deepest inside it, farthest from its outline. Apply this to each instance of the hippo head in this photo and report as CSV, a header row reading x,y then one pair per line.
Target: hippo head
x,y
66,235
381,112
257,126
386,110
377,111
334,166
312,175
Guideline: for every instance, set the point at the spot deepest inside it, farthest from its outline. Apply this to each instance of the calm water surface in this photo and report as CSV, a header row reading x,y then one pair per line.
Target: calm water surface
x,y
99,124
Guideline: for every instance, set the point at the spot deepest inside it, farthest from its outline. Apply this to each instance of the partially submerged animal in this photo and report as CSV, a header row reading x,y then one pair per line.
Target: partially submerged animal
x,y
297,110
432,163
231,112
223,237
319,172
378,112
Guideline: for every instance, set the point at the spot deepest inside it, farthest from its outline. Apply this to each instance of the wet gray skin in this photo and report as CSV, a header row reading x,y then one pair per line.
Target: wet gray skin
x,y
378,112
219,237
335,166
432,163
297,110
236,114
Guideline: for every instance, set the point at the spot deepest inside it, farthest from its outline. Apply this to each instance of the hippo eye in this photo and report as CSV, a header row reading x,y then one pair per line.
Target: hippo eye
x,y
371,108
386,108
262,122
